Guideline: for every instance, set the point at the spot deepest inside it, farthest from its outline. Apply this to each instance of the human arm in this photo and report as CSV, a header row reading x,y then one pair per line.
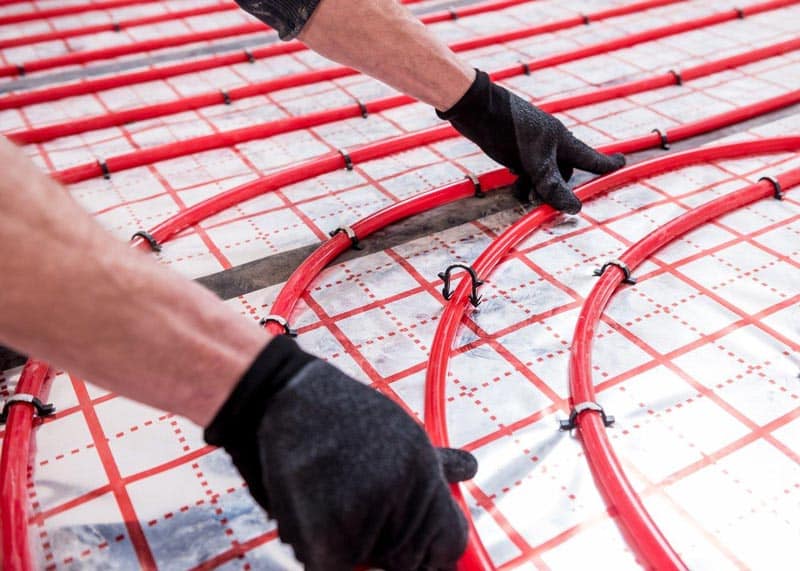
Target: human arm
x,y
317,449
384,40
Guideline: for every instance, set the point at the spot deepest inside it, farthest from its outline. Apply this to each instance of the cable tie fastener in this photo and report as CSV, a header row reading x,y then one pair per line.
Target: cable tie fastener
x,y
350,234
226,97
572,422
585,19
42,410
477,183
778,194
739,13
447,293
453,14
148,237
348,162
20,69
280,320
250,57
663,136
104,168
622,266
116,27
678,77
526,67
363,108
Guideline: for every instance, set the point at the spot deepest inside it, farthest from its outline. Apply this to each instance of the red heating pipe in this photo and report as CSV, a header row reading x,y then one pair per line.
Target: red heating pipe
x,y
50,132
637,526
122,80
114,26
14,469
435,401
82,57
332,161
67,10
674,77
218,140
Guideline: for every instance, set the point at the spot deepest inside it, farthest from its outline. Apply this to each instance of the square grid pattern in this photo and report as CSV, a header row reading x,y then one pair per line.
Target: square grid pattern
x,y
699,361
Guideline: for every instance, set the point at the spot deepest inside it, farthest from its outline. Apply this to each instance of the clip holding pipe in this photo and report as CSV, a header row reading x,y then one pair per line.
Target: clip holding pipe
x,y
628,279
42,410
477,183
280,320
149,238
678,78
226,98
778,194
526,67
663,136
572,422
447,293
20,69
356,245
363,108
348,162
250,57
116,27
453,14
104,168
739,13
585,18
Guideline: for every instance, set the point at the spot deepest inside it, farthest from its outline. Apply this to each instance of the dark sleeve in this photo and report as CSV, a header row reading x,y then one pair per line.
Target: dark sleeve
x,y
287,17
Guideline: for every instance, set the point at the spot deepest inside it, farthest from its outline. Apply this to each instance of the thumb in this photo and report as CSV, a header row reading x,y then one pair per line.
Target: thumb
x,y
457,465
552,189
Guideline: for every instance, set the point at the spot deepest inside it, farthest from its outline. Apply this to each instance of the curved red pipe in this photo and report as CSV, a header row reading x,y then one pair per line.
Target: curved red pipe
x,y
114,26
224,139
14,470
640,530
435,401
327,163
50,132
122,80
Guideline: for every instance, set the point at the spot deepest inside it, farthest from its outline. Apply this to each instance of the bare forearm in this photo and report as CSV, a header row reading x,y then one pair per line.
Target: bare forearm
x,y
384,40
78,298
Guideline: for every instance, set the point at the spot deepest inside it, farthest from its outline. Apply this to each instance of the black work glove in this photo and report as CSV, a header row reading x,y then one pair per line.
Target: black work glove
x,y
531,143
348,475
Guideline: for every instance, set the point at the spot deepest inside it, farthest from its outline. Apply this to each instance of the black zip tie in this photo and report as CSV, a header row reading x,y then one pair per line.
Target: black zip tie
x,y
474,298
453,14
250,57
20,69
778,194
586,21
526,67
739,13
42,410
148,237
104,168
572,422
663,136
350,234
226,97
348,162
678,77
622,266
280,320
363,108
116,27
477,183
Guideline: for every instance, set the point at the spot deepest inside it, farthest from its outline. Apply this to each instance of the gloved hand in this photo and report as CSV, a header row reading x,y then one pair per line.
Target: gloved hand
x,y
531,143
348,475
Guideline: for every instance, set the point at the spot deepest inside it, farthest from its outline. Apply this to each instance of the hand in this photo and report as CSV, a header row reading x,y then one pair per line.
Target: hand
x,y
531,143
348,475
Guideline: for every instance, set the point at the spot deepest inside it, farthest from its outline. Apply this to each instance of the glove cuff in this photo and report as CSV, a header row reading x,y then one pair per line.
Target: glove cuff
x,y
473,100
240,416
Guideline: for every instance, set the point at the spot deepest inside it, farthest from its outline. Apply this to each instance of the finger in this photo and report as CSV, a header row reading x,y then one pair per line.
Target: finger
x,y
566,170
522,189
552,189
449,541
584,157
457,465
